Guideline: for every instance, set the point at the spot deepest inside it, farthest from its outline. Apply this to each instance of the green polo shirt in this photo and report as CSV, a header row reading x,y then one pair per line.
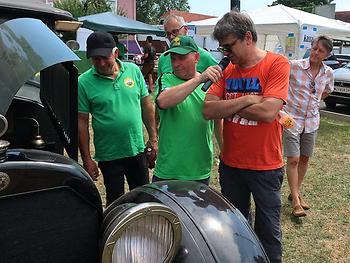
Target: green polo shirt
x,y
205,60
115,107
185,147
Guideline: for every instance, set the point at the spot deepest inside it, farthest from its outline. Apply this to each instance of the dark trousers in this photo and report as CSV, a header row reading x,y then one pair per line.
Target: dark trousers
x,y
203,181
237,185
135,170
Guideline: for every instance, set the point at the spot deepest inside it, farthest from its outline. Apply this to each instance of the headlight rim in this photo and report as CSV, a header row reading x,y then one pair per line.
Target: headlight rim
x,y
132,214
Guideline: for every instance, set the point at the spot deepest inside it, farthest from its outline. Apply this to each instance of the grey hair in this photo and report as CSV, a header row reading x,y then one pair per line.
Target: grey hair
x,y
179,19
325,41
235,23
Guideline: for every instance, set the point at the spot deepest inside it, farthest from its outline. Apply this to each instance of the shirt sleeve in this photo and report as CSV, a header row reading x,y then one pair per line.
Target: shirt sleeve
x,y
278,79
146,49
83,101
205,60
330,84
142,83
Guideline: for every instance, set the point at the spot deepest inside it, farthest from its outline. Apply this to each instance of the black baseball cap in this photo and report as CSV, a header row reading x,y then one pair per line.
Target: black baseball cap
x,y
99,44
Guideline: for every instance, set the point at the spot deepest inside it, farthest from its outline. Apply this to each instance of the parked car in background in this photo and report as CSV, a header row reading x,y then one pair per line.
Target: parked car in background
x,y
341,93
342,58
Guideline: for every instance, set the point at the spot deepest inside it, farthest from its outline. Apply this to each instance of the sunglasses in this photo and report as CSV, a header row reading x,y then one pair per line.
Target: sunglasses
x,y
227,48
174,32
313,88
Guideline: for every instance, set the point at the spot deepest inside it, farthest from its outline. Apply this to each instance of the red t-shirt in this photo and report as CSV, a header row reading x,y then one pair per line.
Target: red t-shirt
x,y
253,145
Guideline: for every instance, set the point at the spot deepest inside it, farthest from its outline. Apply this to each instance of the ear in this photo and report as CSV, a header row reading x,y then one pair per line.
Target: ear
x,y
248,37
196,56
115,52
186,30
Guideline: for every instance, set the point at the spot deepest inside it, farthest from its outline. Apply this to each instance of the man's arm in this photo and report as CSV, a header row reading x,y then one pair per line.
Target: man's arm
x,y
171,97
218,130
84,145
214,108
266,111
325,94
148,118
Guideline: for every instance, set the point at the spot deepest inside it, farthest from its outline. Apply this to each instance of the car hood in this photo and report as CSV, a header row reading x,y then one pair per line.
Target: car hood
x,y
342,74
27,46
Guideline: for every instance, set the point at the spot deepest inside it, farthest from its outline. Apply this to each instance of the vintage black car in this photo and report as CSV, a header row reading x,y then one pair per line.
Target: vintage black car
x,y
50,209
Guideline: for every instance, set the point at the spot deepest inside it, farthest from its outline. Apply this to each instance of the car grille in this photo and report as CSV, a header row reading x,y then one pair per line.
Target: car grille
x,y
342,84
341,89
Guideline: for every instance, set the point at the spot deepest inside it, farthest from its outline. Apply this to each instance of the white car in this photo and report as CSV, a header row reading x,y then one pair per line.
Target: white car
x,y
341,93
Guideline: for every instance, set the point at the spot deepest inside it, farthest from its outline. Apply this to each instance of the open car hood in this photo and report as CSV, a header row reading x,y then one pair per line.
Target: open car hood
x,y
27,46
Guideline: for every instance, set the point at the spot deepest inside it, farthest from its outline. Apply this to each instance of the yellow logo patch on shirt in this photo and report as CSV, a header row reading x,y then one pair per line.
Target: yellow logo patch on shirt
x,y
130,83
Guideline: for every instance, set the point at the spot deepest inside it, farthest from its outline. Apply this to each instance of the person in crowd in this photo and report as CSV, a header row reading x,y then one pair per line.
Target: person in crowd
x,y
149,55
174,26
185,137
251,160
114,93
310,82
121,47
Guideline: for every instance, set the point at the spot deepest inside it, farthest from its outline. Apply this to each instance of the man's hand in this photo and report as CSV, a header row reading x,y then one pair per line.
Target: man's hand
x,y
151,152
214,73
91,167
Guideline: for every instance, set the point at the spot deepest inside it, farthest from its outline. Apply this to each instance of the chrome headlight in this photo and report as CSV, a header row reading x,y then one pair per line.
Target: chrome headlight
x,y
147,232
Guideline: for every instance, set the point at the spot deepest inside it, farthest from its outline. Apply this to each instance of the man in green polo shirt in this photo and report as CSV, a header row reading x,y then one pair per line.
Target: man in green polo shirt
x,y
174,26
114,93
185,137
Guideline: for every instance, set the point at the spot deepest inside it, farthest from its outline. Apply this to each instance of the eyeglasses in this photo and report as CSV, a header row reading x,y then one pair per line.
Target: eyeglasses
x,y
227,48
174,32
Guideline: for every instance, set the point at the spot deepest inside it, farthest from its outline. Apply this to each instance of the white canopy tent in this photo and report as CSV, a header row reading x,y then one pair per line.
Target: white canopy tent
x,y
292,29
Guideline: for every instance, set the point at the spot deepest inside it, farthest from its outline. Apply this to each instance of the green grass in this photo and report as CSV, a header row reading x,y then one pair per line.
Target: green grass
x,y
324,234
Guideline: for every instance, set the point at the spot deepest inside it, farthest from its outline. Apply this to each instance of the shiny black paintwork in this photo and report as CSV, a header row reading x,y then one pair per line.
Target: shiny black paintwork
x,y
213,229
34,170
51,104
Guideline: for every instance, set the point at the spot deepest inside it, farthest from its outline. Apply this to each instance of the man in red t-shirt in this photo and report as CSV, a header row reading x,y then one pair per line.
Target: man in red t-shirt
x,y
251,157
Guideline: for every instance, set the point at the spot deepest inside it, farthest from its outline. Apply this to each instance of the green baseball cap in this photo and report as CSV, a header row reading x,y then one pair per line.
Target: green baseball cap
x,y
182,45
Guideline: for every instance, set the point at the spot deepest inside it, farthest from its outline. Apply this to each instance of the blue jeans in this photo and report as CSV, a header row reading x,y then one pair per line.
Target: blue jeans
x,y
237,185
203,181
135,170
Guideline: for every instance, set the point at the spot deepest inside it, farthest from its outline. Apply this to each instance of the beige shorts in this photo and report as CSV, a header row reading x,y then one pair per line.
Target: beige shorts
x,y
298,145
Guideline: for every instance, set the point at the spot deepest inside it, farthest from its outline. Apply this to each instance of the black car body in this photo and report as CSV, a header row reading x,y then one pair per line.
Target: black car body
x,y
51,210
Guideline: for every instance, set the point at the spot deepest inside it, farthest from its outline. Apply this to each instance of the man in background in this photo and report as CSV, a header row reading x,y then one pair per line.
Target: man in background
x,y
149,54
175,26
121,47
310,82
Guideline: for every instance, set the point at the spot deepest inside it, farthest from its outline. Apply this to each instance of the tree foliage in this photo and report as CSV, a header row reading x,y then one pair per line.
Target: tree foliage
x,y
149,11
307,6
85,7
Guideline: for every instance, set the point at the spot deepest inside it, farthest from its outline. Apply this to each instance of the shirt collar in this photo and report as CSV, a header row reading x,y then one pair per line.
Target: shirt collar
x,y
306,65
121,70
